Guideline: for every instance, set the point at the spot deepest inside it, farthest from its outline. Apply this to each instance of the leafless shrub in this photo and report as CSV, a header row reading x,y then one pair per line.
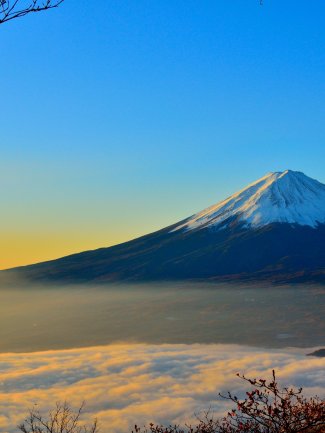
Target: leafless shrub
x,y
267,408
63,419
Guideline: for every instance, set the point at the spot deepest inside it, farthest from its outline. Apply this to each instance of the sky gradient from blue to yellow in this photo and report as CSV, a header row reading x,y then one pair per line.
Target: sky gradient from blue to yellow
x,y
120,119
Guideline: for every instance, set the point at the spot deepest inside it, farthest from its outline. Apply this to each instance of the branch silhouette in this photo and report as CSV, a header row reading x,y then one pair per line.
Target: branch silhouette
x,y
11,9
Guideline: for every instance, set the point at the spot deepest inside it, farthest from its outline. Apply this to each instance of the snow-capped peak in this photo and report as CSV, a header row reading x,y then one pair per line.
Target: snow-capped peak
x,y
283,197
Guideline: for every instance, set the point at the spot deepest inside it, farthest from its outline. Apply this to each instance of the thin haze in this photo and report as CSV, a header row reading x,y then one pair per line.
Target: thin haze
x,y
65,317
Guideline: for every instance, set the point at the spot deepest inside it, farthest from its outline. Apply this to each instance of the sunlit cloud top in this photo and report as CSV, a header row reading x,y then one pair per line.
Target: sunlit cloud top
x,y
128,384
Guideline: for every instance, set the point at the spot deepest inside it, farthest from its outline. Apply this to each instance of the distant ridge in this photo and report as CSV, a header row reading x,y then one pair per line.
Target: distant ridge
x,y
273,230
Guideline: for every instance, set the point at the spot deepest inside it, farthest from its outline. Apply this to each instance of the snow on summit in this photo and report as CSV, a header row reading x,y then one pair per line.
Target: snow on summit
x,y
283,197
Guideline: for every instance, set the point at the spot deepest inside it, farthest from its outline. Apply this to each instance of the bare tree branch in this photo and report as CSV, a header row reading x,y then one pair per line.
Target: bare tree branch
x,y
11,9
62,419
267,408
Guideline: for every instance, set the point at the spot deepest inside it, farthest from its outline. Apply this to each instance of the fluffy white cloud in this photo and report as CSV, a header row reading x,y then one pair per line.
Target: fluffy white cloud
x,y
127,384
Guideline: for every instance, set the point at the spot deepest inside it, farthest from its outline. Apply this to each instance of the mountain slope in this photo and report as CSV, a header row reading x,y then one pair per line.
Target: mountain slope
x,y
283,197
274,229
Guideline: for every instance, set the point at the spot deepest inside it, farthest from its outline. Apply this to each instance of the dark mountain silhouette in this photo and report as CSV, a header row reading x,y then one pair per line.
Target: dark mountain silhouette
x,y
272,230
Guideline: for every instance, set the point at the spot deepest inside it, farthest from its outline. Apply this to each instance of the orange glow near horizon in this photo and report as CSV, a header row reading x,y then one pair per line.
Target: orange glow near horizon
x,y
20,249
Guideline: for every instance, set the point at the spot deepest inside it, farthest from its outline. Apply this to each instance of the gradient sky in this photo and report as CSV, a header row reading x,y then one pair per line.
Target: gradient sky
x,y
121,117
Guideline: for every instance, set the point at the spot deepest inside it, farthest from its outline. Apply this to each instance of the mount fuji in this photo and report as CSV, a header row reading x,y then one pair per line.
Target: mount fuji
x,y
281,197
273,230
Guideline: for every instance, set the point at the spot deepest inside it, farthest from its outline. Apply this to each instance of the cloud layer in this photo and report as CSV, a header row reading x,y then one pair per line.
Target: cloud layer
x,y
128,384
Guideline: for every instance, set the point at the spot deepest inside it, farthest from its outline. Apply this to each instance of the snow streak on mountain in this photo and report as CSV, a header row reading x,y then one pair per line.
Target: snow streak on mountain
x,y
282,197
273,230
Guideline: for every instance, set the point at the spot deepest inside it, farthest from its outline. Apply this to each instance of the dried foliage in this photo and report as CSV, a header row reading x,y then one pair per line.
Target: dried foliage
x,y
266,409
63,419
11,9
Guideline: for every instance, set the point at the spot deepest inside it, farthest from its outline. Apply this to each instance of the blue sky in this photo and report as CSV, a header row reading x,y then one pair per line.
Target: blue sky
x,y
121,118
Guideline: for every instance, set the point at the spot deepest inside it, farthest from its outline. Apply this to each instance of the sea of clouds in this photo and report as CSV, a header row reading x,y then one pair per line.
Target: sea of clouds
x,y
139,383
